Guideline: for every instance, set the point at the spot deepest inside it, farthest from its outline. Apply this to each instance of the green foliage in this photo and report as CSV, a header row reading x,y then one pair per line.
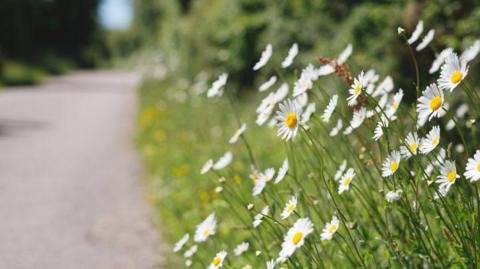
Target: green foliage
x,y
15,73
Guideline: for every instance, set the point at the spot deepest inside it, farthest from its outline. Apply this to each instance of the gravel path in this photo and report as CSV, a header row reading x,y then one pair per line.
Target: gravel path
x,y
70,183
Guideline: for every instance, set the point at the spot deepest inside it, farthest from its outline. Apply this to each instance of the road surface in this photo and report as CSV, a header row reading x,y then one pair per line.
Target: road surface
x,y
70,183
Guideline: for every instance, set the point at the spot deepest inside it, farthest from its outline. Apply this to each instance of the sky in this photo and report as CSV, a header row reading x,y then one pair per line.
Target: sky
x,y
115,14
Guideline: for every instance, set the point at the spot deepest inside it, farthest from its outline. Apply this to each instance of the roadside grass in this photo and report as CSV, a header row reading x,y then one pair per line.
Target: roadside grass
x,y
177,133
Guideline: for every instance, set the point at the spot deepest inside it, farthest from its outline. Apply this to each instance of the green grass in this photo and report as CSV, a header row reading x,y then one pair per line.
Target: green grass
x,y
15,73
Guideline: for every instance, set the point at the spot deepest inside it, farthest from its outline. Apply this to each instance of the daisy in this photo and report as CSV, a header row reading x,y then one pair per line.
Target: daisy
x,y
289,207
430,142
330,229
384,87
206,228
217,262
281,92
473,168
393,107
241,248
267,84
295,237
431,103
337,128
179,245
345,54
412,143
206,167
188,263
426,40
340,170
224,161
271,264
332,104
266,54
416,33
378,132
305,82
217,86
356,89
437,63
311,108
471,52
393,196
292,52
238,133
261,180
288,117
391,164
358,118
257,220
448,176
282,171
452,73
191,251
346,180
324,70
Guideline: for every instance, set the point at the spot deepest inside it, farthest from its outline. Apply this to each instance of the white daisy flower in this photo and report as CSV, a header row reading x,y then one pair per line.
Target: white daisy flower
x,y
282,171
452,73
266,54
217,262
391,164
267,84
332,104
346,180
223,162
206,167
384,87
471,52
296,237
378,132
206,228
393,107
188,263
426,40
393,196
330,229
448,176
281,92
289,207
358,118
288,117
324,70
179,245
431,103
311,108
345,54
241,248
437,63
262,180
472,172
461,111
340,170
430,142
412,143
238,133
305,82
416,33
257,220
191,251
337,128
217,86
271,264
450,124
356,89
292,53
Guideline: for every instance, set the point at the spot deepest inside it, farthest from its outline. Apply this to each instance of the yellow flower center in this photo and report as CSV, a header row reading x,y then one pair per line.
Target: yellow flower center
x,y
358,88
435,103
297,237
291,119
456,77
332,228
393,166
395,105
413,147
435,141
478,167
216,261
451,176
290,208
206,232
347,181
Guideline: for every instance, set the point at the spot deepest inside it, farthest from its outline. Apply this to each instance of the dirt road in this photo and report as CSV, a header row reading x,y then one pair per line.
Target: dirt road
x,y
70,182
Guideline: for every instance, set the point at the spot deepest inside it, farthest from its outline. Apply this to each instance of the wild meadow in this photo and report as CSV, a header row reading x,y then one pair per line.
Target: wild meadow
x,y
326,165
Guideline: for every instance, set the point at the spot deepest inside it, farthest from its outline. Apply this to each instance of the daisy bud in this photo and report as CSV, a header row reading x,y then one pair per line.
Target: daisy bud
x,y
258,252
218,189
400,30
250,206
221,180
